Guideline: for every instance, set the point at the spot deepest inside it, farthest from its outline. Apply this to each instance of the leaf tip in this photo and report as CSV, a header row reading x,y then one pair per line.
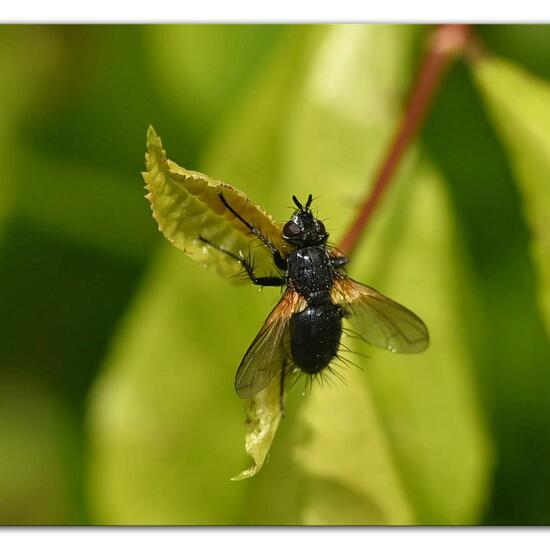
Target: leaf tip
x,y
153,138
245,474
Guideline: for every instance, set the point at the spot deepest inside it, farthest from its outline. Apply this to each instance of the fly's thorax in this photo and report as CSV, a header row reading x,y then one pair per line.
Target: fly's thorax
x,y
310,271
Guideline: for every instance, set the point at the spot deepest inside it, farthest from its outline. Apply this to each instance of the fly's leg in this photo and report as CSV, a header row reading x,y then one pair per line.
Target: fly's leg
x,y
247,266
280,262
339,261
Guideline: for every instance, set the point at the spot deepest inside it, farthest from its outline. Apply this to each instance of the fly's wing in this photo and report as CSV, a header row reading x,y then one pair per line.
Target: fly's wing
x,y
379,320
267,354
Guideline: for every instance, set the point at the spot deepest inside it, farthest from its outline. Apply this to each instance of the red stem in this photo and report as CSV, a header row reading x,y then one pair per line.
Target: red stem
x,y
445,42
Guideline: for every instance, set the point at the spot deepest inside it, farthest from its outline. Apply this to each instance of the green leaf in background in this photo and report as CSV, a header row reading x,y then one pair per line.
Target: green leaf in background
x,y
404,443
427,402
519,103
201,69
26,60
166,426
35,454
501,317
347,456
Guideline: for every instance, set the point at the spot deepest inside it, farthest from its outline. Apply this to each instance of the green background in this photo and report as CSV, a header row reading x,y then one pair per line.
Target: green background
x,y
117,353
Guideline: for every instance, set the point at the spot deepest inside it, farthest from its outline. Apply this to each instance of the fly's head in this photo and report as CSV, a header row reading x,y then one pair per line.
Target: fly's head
x,y
303,229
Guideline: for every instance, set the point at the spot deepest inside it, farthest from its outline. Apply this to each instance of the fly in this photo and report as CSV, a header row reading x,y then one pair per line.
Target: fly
x,y
303,331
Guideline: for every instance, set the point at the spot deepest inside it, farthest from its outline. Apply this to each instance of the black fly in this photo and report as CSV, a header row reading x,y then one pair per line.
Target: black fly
x,y
304,329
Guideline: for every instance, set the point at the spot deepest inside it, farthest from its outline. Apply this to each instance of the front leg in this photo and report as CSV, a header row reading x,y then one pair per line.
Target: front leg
x,y
339,261
247,266
254,230
278,259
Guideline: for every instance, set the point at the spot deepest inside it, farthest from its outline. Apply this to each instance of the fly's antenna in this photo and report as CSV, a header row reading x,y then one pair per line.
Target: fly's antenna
x,y
298,203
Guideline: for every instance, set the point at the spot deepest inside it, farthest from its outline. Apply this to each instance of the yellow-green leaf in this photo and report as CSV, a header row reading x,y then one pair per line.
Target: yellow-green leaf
x,y
263,417
186,205
519,104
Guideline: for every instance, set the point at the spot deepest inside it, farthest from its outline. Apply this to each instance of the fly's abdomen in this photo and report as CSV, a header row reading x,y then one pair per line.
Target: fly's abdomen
x,y
315,336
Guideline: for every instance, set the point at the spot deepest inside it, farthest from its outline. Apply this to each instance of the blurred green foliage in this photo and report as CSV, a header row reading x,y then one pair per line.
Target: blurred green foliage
x,y
118,353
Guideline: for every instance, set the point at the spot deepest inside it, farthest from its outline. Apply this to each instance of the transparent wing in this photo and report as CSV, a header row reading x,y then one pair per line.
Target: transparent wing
x,y
379,320
266,355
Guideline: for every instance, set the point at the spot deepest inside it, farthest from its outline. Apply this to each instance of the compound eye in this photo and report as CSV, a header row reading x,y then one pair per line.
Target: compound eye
x,y
321,227
291,230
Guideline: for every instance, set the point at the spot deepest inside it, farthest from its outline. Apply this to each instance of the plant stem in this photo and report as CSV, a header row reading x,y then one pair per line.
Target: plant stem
x,y
445,43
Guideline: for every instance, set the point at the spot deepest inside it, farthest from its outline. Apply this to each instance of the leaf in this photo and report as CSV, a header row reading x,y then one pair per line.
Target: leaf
x,y
165,424
263,417
187,206
427,402
348,451
519,104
